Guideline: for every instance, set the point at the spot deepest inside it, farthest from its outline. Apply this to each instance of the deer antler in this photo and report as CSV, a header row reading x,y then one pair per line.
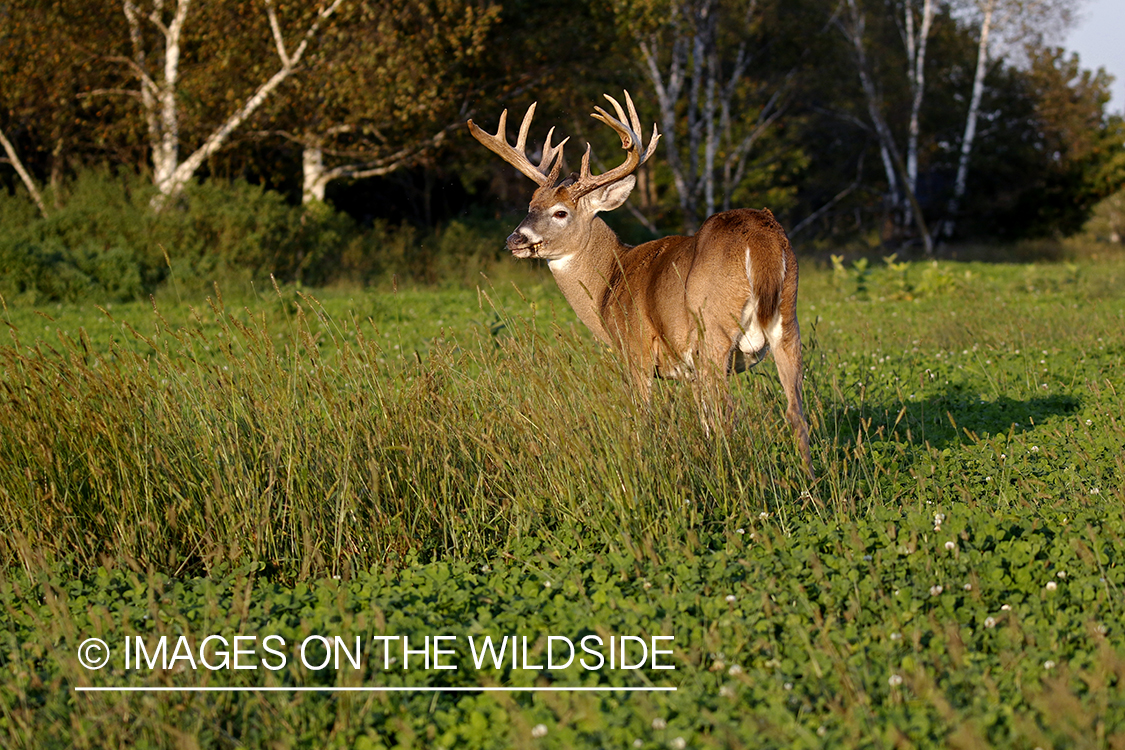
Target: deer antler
x,y
516,156
630,141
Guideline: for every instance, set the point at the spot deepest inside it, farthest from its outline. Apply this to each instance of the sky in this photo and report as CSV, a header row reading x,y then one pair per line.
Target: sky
x,y
1099,40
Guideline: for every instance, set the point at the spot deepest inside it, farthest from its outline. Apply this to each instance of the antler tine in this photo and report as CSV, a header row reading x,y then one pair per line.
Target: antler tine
x,y
517,156
630,141
549,154
521,139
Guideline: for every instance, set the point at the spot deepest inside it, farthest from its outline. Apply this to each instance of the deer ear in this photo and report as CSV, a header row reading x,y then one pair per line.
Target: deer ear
x,y
612,195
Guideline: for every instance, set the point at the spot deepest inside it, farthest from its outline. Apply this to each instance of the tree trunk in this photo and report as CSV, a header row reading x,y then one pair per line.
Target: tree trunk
x,y
916,54
28,182
316,177
971,120
159,92
892,159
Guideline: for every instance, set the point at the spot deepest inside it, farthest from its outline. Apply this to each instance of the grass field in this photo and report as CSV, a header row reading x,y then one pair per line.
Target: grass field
x,y
468,463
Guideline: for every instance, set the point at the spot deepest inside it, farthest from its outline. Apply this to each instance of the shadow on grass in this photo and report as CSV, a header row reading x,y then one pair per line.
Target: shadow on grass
x,y
946,418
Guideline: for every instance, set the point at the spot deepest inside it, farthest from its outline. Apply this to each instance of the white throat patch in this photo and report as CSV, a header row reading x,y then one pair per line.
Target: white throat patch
x,y
559,264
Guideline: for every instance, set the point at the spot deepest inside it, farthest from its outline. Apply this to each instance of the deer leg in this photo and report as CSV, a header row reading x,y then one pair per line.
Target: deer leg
x,y
787,355
712,390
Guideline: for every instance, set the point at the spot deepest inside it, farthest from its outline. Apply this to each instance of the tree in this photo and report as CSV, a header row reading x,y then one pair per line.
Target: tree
x,y
45,65
916,43
156,63
385,88
1022,20
852,22
717,93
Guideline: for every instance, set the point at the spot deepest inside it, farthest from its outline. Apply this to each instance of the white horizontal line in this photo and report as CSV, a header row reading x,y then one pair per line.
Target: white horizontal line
x,y
370,689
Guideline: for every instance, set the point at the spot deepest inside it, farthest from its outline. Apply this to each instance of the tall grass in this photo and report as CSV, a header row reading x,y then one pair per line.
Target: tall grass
x,y
301,446
298,437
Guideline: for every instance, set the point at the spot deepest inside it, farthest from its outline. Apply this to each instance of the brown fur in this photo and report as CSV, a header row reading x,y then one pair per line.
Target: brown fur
x,y
673,307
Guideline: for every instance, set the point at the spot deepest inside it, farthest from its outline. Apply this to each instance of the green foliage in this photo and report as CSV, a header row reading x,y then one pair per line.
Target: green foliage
x,y
466,463
935,624
106,244
1107,224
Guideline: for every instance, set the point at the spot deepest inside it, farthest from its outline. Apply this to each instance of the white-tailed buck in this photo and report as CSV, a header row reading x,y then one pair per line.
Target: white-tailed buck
x,y
696,307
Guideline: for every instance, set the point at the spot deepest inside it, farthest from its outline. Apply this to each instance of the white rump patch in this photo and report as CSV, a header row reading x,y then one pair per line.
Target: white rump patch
x,y
754,341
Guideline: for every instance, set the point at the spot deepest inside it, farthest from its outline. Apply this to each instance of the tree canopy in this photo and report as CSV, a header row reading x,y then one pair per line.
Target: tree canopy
x,y
880,121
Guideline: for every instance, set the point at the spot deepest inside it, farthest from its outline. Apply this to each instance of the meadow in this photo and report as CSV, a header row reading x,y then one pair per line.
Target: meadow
x,y
468,462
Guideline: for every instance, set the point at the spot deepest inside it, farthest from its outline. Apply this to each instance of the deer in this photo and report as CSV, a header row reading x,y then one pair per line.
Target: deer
x,y
698,308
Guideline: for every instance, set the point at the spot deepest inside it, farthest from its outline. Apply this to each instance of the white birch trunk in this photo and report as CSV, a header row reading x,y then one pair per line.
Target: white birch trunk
x,y
916,53
892,159
28,182
315,175
159,93
971,120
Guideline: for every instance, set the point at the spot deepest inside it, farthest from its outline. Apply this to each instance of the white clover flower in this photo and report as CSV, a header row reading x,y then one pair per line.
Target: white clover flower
x,y
659,723
1095,491
740,531
734,670
726,691
821,730
1061,574
763,515
950,545
546,584
990,622
539,730
788,686
894,680
1035,449
968,587
678,744
1006,608
1051,585
638,742
1089,422
1049,664
896,636
936,589
731,597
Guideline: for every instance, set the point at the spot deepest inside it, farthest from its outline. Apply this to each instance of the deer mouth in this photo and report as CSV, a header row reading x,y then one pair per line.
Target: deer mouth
x,y
528,251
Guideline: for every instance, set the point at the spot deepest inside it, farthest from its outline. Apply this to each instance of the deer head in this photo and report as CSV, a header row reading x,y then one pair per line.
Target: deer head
x,y
560,215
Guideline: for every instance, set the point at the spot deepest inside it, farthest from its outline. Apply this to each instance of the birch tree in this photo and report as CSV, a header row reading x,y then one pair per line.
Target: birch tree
x,y
45,65
13,158
157,35
916,43
852,22
698,55
1022,20
987,8
387,89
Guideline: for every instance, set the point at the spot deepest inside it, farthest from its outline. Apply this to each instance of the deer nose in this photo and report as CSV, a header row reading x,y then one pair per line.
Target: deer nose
x,y
523,237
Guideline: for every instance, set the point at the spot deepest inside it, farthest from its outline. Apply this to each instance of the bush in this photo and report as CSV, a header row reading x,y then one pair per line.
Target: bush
x,y
106,242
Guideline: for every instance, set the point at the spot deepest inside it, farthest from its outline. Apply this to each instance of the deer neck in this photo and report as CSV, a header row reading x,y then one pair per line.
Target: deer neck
x,y
584,274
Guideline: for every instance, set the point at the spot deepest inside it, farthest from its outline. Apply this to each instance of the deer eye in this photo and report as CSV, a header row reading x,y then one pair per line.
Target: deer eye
x,y
561,214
